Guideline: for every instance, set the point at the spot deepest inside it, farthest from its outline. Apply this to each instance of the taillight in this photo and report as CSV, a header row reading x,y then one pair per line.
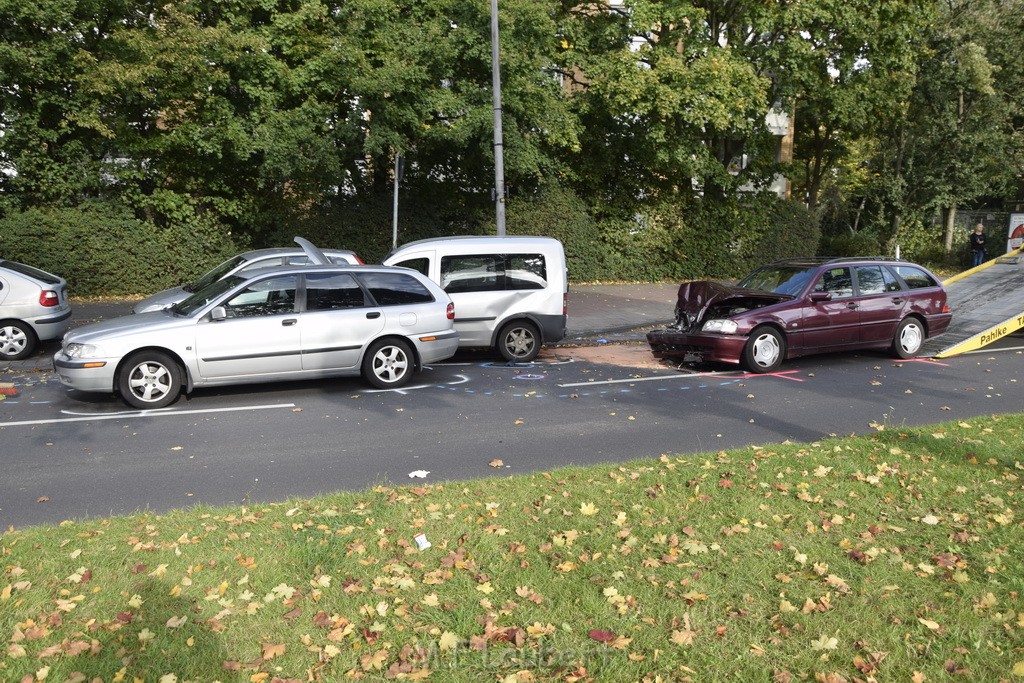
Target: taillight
x,y
565,303
48,298
945,309
451,311
359,260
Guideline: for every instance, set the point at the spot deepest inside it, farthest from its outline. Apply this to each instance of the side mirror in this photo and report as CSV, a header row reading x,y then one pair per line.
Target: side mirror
x,y
218,313
821,296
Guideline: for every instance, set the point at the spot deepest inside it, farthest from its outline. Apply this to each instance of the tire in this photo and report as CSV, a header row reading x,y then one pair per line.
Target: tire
x,y
765,350
17,340
149,380
388,364
909,338
519,341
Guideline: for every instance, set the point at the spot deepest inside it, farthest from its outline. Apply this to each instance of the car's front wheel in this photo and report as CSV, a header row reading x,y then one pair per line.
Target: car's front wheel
x,y
388,364
149,380
519,341
765,350
909,338
17,340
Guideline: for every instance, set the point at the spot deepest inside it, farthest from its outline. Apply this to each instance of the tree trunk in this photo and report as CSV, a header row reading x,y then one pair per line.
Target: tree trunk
x,y
950,220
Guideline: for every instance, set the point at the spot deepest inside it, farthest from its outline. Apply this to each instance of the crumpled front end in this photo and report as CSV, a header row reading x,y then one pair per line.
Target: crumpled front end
x,y
704,329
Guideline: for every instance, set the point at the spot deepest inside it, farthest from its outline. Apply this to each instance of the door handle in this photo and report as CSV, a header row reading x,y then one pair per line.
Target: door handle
x,y
897,300
373,315
852,305
288,322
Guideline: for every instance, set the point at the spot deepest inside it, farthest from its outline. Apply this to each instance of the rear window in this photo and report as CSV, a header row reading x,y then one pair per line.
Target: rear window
x,y
915,277
493,272
395,289
421,265
876,280
29,271
332,292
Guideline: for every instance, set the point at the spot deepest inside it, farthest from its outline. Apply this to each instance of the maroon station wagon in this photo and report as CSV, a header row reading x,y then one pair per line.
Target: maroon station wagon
x,y
802,306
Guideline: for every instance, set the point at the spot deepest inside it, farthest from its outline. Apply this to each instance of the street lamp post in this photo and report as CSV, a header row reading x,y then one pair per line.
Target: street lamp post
x,y
499,157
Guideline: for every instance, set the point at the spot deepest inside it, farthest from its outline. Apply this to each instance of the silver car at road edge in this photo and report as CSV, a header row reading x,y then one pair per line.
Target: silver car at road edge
x,y
33,307
283,323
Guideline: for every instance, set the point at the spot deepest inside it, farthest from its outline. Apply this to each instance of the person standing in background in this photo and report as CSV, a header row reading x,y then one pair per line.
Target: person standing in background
x,y
978,245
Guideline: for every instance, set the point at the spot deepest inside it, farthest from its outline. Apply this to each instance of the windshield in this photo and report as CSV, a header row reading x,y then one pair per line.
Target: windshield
x,y
215,274
205,295
789,280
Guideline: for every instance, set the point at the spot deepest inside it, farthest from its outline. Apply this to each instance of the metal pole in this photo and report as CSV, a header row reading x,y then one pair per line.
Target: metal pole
x,y
394,213
499,158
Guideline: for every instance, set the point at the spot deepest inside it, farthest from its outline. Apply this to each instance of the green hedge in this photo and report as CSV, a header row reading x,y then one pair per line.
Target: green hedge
x,y
102,249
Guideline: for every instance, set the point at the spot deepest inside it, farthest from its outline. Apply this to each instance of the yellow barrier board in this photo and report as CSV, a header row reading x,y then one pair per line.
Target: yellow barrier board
x,y
985,338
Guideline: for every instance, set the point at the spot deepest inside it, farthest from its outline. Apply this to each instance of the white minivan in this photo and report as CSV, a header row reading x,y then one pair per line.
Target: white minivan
x,y
510,293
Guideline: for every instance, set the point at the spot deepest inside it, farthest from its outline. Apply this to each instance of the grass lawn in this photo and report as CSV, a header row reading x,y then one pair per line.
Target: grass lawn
x,y
894,556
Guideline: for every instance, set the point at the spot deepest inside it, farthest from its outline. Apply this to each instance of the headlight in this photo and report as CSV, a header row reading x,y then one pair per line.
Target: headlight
x,y
83,351
723,326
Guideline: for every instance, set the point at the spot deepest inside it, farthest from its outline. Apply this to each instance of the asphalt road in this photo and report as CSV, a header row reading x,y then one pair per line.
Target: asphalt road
x,y
67,455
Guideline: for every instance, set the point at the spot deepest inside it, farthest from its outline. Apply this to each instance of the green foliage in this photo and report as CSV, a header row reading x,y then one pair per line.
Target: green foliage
x,y
102,249
792,230
861,243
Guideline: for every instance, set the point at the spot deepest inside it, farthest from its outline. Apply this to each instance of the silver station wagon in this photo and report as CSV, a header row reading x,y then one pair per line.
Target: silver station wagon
x,y
282,323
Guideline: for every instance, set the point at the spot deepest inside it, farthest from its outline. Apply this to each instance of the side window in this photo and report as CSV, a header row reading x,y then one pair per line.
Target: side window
x,y
479,273
525,271
420,265
915,277
297,260
333,291
837,282
273,296
870,280
395,289
891,283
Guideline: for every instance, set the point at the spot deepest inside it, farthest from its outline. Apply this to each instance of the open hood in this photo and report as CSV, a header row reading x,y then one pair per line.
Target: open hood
x,y
695,298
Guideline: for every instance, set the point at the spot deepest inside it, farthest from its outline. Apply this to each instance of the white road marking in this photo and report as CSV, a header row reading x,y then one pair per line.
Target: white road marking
x,y
130,415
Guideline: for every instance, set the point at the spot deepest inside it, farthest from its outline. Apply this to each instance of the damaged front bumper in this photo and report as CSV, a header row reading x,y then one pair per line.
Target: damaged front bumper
x,y
690,347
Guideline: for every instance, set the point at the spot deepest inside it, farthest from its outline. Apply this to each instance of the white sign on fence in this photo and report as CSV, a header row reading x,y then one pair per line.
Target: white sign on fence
x,y
1015,235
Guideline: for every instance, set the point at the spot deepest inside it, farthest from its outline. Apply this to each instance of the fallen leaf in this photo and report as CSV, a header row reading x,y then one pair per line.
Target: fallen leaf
x,y
825,643
271,650
448,641
496,463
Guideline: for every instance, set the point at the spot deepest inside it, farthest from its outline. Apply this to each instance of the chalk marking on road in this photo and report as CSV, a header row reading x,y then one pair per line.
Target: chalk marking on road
x,y
649,379
131,415
402,390
781,375
927,361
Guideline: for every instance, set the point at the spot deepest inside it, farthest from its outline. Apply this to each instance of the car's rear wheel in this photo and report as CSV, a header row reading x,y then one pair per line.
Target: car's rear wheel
x,y
149,380
388,364
519,341
765,350
17,340
909,338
